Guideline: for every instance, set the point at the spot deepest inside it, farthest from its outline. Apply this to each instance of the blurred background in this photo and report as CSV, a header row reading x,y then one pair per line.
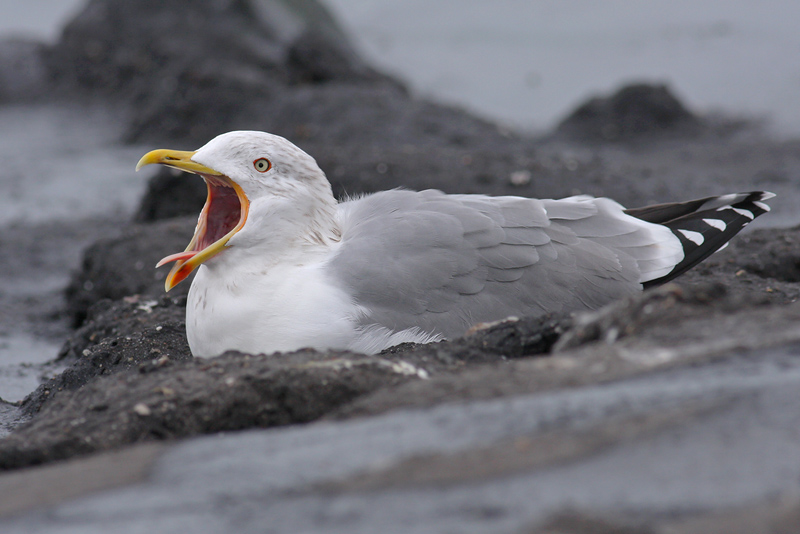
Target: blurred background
x,y
79,226
67,177
528,63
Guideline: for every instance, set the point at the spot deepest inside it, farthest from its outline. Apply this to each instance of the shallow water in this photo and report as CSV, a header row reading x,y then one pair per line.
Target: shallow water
x,y
65,182
64,164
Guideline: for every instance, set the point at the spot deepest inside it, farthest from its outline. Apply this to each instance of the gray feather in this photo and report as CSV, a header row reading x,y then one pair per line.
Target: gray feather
x,y
445,262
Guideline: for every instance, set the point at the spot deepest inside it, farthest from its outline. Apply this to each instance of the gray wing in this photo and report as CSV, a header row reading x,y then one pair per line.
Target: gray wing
x,y
443,263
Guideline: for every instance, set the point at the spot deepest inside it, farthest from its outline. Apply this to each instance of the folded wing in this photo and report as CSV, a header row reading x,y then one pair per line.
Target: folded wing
x,y
445,262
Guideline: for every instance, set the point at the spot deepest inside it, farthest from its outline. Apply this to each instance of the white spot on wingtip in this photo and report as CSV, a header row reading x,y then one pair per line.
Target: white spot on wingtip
x,y
761,205
716,223
723,247
694,237
766,195
744,213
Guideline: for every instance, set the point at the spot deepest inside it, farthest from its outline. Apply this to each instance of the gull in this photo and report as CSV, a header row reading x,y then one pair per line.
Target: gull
x,y
282,265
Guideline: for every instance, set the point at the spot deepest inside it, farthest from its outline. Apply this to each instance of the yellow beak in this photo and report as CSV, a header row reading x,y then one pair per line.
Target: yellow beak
x,y
179,159
220,198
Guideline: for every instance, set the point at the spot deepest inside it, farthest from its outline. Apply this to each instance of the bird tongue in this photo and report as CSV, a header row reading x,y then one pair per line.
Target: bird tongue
x,y
220,215
180,256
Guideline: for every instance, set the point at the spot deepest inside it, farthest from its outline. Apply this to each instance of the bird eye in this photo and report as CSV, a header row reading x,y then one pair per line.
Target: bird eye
x,y
262,164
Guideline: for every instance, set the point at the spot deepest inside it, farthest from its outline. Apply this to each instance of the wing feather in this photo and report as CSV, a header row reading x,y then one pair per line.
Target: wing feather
x,y
444,262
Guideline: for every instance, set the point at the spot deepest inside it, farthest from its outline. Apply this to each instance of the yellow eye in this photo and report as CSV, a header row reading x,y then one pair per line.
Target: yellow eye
x,y
262,164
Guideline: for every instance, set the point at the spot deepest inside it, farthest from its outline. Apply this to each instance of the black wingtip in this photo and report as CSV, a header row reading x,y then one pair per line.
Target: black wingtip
x,y
709,224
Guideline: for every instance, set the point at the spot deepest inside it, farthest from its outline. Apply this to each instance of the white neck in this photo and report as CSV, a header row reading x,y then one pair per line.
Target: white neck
x,y
282,228
269,289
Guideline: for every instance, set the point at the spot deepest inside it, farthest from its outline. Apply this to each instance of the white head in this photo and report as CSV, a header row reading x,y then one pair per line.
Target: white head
x,y
261,189
262,164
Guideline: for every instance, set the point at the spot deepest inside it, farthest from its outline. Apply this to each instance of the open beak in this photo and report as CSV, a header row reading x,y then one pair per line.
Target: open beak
x,y
224,213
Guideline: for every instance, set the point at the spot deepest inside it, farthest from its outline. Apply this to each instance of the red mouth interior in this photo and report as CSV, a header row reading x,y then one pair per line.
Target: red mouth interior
x,y
222,213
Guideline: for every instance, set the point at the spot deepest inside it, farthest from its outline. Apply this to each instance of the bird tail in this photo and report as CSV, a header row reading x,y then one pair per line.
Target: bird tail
x,y
703,226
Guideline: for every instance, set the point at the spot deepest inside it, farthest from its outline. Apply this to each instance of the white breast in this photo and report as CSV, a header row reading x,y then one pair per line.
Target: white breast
x,y
285,308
